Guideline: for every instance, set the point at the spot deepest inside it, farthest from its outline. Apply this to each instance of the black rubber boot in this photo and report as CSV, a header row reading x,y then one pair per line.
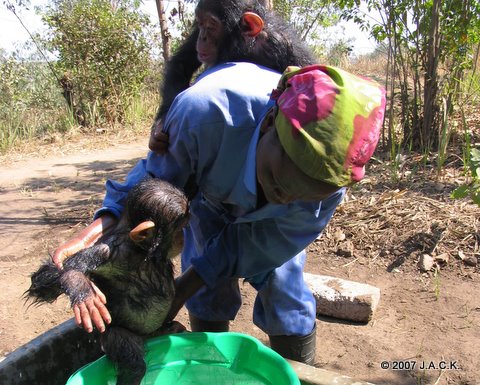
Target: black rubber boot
x,y
200,325
297,348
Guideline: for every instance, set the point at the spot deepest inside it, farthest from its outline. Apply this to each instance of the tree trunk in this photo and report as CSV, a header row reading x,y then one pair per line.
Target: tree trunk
x,y
163,29
431,78
181,11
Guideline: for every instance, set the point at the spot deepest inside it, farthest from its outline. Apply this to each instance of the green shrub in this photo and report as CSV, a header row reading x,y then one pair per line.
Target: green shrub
x,y
103,56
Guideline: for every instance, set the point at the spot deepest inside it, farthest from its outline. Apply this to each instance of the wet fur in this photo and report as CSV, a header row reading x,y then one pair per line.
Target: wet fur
x,y
137,278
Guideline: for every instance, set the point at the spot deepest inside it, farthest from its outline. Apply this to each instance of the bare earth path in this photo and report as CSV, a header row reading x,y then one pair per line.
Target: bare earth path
x,y
376,237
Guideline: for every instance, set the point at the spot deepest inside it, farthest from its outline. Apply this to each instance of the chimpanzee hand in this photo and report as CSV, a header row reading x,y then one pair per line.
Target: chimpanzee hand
x,y
85,239
158,141
92,309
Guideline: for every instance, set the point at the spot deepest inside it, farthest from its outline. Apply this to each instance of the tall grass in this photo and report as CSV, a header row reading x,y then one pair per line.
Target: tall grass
x,y
139,110
32,105
17,124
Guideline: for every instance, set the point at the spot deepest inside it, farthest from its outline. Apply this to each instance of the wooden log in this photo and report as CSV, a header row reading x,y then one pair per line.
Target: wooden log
x,y
343,299
310,375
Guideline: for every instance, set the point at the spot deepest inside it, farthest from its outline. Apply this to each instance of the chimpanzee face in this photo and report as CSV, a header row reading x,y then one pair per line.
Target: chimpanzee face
x,y
210,37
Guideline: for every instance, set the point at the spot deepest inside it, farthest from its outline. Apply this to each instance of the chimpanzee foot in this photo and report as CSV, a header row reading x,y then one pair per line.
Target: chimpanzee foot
x,y
171,327
125,350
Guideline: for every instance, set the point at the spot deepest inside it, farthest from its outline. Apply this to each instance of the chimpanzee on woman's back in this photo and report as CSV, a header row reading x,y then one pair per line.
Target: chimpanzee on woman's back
x,y
228,31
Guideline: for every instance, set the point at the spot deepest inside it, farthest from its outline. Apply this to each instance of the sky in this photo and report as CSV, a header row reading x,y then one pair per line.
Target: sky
x,y
12,34
11,31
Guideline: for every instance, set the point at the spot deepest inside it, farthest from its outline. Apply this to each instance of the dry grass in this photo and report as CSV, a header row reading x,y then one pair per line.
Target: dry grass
x,y
395,222
57,144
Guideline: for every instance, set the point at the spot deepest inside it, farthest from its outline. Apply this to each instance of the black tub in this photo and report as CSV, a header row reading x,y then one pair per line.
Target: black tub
x,y
51,358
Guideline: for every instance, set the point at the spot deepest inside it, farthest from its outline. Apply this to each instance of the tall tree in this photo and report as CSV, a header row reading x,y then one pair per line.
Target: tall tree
x,y
432,57
308,17
430,45
164,29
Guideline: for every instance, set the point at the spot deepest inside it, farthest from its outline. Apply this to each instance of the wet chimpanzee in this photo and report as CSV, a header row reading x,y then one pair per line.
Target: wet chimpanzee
x,y
132,266
228,30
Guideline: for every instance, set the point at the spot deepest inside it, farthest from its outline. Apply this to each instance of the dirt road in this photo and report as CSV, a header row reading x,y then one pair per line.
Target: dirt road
x,y
42,202
432,320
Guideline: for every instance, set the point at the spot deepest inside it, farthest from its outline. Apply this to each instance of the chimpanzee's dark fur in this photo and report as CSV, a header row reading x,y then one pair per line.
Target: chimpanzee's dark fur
x,y
281,48
137,278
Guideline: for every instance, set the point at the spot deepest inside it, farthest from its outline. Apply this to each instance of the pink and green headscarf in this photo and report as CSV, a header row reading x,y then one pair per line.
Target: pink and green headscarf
x,y
329,121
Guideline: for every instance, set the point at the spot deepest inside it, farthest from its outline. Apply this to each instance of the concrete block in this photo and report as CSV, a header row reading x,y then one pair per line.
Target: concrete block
x,y
343,299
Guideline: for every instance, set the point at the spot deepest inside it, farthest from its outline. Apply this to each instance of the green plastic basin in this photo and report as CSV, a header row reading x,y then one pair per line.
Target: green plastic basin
x,y
200,359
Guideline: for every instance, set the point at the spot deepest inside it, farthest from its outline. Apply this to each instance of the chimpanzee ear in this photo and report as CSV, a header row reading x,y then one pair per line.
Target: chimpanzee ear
x,y
252,23
142,232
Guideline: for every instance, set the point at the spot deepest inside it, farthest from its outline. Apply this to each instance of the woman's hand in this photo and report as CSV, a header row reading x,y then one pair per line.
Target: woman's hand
x,y
84,239
158,141
186,286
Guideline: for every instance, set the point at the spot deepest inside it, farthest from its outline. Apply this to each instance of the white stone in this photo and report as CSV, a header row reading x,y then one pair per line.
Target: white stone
x,y
426,263
343,299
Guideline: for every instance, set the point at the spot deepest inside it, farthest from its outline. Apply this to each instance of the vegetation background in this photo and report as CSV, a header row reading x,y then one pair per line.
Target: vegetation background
x,y
98,67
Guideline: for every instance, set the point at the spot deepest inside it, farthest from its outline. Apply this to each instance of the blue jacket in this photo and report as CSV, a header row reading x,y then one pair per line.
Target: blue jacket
x,y
213,128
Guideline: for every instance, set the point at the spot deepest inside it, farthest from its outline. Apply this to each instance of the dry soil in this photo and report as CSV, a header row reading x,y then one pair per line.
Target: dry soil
x,y
426,321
